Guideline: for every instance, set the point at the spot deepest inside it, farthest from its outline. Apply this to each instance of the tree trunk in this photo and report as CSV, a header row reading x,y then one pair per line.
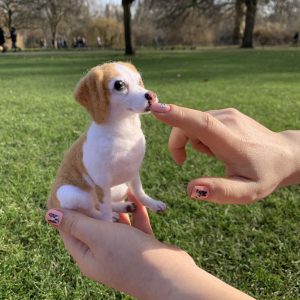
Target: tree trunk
x,y
54,42
251,6
10,19
238,22
127,26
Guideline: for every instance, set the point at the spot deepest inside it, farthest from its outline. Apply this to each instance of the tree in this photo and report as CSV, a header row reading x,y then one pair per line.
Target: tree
x,y
238,21
108,29
186,22
173,11
7,10
15,13
54,11
127,26
251,8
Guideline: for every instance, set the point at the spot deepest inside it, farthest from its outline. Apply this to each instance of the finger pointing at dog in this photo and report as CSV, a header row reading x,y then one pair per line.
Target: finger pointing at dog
x,y
250,152
195,124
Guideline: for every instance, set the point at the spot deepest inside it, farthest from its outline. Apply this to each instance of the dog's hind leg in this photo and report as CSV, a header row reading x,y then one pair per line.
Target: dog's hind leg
x,y
73,197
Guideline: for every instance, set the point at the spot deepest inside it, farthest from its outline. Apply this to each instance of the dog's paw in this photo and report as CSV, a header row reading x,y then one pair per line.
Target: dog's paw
x,y
124,207
157,206
130,207
115,217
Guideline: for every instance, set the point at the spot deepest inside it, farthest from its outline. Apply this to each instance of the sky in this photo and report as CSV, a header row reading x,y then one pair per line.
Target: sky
x,y
99,5
104,2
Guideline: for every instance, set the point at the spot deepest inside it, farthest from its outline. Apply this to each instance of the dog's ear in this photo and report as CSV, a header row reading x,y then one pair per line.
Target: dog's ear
x,y
91,94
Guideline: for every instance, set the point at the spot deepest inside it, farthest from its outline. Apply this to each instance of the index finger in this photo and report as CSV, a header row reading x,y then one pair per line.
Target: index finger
x,y
196,124
140,217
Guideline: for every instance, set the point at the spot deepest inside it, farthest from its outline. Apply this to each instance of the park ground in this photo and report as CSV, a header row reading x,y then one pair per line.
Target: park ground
x,y
253,247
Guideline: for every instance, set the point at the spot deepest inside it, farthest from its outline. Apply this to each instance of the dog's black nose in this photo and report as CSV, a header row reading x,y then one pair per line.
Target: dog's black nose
x,y
148,96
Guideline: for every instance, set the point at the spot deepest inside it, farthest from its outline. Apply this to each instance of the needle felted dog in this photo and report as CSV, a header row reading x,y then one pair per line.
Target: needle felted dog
x,y
104,162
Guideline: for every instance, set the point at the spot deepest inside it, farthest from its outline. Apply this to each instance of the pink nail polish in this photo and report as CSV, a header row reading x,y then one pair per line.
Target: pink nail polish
x,y
200,192
54,217
160,107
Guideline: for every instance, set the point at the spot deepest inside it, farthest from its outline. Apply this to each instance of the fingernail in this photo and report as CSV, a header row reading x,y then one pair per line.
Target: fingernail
x,y
54,217
200,192
160,107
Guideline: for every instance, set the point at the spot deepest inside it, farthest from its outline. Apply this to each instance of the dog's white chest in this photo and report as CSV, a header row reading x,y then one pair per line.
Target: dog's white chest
x,y
113,155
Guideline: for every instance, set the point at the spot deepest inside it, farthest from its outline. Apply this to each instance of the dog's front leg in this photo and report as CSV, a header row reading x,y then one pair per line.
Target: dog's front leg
x,y
105,204
138,191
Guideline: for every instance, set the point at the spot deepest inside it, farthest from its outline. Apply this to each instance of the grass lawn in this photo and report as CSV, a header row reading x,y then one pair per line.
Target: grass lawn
x,y
254,248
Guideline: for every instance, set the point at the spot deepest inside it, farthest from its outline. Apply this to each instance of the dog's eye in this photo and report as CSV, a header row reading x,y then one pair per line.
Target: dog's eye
x,y
120,85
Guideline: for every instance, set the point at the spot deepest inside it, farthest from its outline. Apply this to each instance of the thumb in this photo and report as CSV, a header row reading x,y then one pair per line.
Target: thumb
x,y
235,190
72,223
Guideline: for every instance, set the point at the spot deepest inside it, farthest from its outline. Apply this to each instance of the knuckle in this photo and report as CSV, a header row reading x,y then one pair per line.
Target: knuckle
x,y
230,115
231,111
225,191
249,198
171,146
229,193
242,146
172,137
181,115
209,121
71,225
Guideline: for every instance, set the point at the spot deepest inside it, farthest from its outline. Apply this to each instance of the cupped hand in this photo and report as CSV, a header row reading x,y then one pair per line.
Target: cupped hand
x,y
127,258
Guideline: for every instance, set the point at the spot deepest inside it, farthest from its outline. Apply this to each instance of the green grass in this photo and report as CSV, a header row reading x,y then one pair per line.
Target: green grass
x,y
255,248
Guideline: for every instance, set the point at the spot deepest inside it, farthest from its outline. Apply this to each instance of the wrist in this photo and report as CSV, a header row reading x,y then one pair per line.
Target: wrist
x,y
291,139
175,276
172,270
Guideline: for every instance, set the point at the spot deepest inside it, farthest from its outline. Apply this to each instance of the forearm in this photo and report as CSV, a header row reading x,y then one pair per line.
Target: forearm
x,y
175,276
292,140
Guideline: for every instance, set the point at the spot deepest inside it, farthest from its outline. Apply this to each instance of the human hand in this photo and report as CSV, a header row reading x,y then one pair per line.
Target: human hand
x,y
257,160
127,258
131,261
80,233
140,218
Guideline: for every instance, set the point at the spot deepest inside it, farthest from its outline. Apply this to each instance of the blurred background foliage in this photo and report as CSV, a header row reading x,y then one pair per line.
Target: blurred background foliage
x,y
154,23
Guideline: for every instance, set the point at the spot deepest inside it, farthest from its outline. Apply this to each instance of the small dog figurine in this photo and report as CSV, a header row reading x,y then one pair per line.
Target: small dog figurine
x,y
104,162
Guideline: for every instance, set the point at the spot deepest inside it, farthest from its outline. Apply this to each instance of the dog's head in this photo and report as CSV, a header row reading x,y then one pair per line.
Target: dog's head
x,y
113,88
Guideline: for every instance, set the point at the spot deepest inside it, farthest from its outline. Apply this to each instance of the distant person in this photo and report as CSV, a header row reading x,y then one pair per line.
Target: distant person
x,y
74,42
2,41
80,42
83,42
99,42
64,44
13,36
59,43
296,38
43,43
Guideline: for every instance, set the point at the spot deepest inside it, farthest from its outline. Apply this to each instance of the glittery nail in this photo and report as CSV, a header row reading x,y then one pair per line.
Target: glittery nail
x,y
160,107
200,192
54,217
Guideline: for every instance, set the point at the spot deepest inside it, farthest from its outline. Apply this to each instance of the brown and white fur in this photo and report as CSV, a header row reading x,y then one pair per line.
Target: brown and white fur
x,y
104,162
